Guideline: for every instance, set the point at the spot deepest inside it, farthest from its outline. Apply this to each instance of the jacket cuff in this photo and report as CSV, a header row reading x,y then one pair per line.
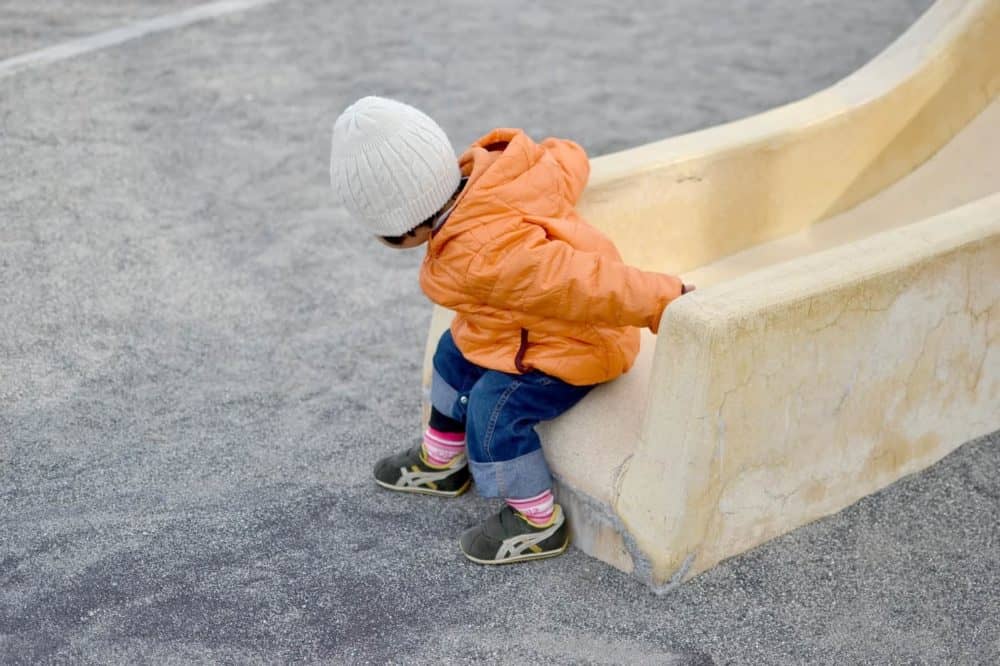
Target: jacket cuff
x,y
678,291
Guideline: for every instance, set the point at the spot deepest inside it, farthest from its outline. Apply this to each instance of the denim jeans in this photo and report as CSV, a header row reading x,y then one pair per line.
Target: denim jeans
x,y
500,412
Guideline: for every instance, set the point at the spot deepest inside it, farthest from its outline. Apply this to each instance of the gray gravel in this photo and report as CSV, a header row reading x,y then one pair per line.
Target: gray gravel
x,y
28,25
200,359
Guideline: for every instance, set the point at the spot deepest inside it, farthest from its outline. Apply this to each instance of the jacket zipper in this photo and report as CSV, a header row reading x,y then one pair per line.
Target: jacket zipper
x,y
519,358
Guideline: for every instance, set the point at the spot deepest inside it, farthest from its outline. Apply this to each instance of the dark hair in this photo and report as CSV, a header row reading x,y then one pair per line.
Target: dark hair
x,y
429,222
398,240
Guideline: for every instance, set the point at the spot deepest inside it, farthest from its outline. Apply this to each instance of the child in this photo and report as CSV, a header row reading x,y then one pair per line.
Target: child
x,y
545,308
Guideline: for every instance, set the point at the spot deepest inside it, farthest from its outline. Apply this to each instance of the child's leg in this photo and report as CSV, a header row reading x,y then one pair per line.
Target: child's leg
x,y
453,379
504,450
506,459
437,466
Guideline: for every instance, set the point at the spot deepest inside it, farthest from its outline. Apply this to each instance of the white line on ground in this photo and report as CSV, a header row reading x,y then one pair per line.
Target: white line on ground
x,y
126,33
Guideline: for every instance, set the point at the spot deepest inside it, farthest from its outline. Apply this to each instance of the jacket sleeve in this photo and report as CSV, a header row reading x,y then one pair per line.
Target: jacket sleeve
x,y
573,162
549,278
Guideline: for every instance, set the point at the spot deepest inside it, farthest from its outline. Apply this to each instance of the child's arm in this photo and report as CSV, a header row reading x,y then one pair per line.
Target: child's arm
x,y
550,278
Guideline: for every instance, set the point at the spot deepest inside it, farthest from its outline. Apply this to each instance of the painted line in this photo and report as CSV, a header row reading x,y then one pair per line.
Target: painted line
x,y
102,40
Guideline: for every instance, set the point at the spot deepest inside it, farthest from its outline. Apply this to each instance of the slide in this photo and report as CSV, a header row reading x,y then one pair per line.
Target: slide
x,y
846,327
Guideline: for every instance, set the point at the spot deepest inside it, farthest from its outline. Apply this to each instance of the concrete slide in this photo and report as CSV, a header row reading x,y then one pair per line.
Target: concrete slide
x,y
845,330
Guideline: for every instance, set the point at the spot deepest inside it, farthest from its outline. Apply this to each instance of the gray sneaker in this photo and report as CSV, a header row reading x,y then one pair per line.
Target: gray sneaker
x,y
408,472
508,537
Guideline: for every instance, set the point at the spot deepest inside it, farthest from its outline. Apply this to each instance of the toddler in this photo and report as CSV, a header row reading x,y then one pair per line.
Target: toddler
x,y
545,309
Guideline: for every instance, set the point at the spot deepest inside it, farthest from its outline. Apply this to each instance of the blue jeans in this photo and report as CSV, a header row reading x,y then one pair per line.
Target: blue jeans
x,y
500,412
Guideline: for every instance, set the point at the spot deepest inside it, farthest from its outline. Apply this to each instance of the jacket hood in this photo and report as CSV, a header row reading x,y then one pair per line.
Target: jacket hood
x,y
504,156
514,153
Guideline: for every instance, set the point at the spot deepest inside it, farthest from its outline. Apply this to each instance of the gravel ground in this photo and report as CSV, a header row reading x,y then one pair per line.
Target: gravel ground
x,y
200,359
27,25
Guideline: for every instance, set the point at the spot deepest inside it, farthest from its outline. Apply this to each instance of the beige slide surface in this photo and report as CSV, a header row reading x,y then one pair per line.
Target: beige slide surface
x,y
966,169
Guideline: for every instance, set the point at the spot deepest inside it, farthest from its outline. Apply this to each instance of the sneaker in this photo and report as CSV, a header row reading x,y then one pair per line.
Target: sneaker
x,y
409,472
509,537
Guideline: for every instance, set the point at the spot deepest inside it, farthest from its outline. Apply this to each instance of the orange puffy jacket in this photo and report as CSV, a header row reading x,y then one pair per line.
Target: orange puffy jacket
x,y
533,285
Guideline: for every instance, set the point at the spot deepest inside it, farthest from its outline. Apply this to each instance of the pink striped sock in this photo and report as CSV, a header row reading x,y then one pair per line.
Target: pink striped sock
x,y
441,448
538,509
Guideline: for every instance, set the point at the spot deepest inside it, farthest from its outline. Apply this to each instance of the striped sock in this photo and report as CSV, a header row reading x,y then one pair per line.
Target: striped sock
x,y
442,448
538,509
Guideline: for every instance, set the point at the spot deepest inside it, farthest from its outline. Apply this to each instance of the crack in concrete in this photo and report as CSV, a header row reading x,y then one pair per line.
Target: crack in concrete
x,y
642,566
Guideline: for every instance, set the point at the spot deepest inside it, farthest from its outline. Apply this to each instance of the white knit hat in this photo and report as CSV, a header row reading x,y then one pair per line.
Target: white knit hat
x,y
391,165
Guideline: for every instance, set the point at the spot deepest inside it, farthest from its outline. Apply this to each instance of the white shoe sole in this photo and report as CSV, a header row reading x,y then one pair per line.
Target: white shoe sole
x,y
426,491
518,558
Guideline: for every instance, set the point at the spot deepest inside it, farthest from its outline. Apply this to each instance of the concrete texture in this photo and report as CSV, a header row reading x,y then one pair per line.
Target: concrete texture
x,y
802,387
199,362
